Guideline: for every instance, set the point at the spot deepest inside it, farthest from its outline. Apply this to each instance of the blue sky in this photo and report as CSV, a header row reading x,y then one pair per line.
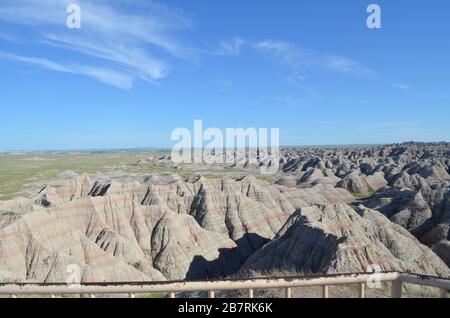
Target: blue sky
x,y
136,70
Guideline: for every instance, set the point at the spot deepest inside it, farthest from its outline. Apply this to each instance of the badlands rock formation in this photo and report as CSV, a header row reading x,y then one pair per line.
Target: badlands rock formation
x,y
410,183
424,211
363,170
145,231
330,210
337,238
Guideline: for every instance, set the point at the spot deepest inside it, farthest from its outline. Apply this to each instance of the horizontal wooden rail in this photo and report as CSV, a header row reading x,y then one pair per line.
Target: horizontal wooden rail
x,y
171,288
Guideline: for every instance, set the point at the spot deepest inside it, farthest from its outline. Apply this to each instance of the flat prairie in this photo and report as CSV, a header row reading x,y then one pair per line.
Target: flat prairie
x,y
18,171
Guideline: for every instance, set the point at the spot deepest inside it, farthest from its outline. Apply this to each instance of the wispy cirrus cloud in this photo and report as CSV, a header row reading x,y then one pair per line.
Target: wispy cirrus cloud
x,y
134,59
105,75
230,47
132,39
301,60
401,86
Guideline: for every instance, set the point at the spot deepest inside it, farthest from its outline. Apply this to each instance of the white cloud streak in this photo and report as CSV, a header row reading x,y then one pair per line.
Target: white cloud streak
x,y
132,43
300,60
231,48
104,75
402,86
135,59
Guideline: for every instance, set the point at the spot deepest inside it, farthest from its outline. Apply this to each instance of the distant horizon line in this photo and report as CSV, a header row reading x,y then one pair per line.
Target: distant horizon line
x,y
111,149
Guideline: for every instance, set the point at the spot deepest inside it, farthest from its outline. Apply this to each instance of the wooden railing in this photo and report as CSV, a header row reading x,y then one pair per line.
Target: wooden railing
x,y
396,279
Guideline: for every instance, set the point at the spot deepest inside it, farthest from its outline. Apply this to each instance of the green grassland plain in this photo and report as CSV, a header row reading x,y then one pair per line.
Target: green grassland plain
x,y
17,170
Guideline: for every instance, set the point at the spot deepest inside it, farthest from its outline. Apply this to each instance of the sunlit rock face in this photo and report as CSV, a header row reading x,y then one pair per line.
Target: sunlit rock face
x,y
328,210
336,238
